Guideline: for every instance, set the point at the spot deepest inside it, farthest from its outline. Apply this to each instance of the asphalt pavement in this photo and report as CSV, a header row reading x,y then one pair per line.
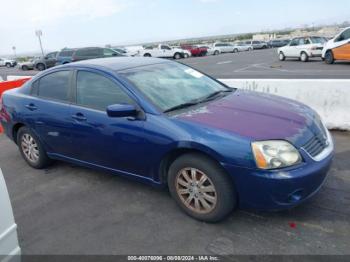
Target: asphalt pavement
x,y
67,209
252,64
265,64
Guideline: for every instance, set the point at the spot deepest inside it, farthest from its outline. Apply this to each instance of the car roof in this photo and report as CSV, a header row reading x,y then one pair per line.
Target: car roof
x,y
120,63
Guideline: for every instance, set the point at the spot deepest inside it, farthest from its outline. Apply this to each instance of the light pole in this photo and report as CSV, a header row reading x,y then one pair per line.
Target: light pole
x,y
14,51
39,33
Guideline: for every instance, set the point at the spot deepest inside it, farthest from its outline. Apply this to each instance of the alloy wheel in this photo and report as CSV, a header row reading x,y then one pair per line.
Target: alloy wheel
x,y
30,148
195,190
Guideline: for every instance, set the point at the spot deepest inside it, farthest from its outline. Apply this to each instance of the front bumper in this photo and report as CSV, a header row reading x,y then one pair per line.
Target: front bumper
x,y
280,189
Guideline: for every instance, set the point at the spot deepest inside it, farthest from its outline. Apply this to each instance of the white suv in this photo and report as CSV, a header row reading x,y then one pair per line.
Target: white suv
x,y
302,48
219,48
7,62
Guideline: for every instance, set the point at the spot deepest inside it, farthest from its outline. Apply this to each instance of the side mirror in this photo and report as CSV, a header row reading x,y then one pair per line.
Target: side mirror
x,y
121,110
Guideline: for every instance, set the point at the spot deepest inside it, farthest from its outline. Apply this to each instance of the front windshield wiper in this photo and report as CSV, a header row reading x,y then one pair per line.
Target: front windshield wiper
x,y
198,101
215,94
184,105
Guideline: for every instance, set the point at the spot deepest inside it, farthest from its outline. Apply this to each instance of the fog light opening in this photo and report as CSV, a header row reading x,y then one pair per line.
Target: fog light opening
x,y
296,196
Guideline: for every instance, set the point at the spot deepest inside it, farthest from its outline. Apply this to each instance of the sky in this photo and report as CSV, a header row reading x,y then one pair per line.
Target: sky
x,y
78,23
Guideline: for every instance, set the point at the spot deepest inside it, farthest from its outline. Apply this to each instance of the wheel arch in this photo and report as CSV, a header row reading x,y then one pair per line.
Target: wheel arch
x,y
15,129
175,153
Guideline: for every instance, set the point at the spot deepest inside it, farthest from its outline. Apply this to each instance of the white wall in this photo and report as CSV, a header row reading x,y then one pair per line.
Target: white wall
x,y
329,97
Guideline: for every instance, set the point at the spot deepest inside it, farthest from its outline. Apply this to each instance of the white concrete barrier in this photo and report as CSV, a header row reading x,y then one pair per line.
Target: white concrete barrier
x,y
13,78
329,97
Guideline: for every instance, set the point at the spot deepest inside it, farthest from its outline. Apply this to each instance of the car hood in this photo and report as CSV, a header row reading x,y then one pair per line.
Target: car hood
x,y
258,116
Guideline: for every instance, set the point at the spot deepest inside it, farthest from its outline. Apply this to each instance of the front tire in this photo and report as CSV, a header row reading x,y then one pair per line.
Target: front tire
x,y
329,58
24,68
304,57
216,52
32,149
40,67
201,188
8,65
235,50
147,55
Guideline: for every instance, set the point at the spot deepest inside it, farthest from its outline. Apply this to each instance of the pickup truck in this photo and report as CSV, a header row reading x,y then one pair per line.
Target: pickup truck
x,y
195,50
7,62
163,51
9,248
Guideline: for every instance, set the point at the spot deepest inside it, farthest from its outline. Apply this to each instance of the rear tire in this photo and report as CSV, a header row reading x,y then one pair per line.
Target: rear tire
x,y
235,50
216,52
329,58
147,55
201,188
24,68
304,57
8,65
281,56
32,149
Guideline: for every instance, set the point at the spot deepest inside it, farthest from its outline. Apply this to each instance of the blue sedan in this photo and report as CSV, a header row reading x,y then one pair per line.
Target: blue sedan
x,y
166,124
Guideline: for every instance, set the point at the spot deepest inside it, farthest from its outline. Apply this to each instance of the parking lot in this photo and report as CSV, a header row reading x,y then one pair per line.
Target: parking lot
x,y
253,64
265,64
105,214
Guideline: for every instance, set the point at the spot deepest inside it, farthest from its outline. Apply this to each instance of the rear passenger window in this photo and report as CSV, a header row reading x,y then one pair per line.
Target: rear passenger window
x,y
98,92
55,86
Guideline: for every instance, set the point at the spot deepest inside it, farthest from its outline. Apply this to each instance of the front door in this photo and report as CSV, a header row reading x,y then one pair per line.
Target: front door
x,y
114,143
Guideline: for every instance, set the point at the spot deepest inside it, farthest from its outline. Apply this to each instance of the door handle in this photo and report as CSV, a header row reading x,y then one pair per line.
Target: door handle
x,y
31,107
79,117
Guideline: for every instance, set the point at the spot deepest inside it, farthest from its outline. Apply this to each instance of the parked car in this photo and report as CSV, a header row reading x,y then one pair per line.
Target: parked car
x,y
210,49
7,62
133,50
241,46
9,247
256,44
94,52
121,51
337,48
28,65
223,48
162,50
65,56
166,124
46,62
195,50
277,43
302,48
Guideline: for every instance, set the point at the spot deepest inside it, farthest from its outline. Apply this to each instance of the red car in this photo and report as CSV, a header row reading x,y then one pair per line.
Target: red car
x,y
195,50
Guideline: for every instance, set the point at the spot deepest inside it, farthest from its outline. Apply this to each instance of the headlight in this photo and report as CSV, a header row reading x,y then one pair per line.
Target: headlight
x,y
275,154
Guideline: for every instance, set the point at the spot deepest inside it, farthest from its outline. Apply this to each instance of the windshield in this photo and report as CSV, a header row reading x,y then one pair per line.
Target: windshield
x,y
318,40
172,84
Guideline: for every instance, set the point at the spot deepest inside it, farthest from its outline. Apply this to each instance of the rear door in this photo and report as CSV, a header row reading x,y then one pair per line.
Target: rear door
x,y
49,111
341,51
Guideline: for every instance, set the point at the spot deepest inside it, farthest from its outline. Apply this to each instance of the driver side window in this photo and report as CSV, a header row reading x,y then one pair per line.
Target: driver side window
x,y
98,92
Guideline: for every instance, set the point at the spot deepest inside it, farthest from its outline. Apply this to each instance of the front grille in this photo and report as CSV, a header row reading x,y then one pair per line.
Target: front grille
x,y
319,48
316,145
